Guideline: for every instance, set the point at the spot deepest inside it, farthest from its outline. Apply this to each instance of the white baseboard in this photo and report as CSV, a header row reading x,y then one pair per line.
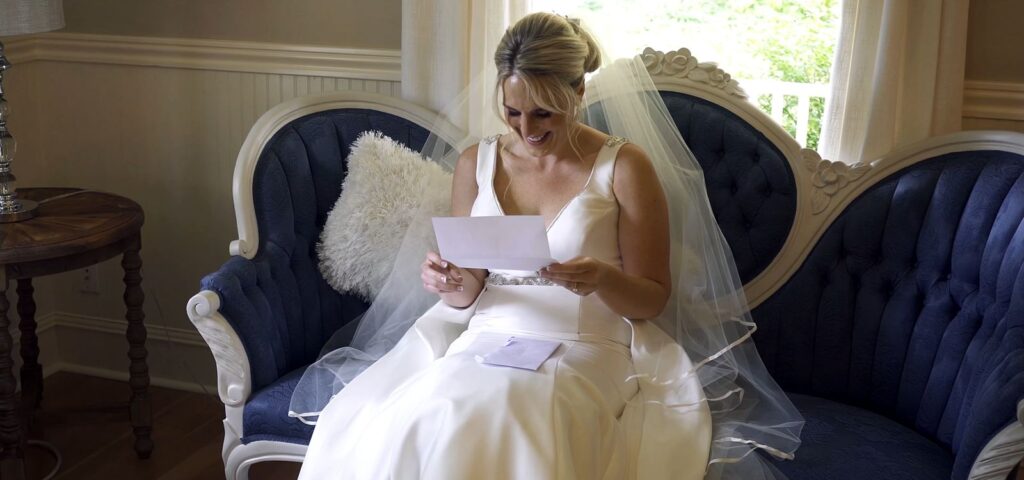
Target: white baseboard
x,y
177,358
994,100
122,376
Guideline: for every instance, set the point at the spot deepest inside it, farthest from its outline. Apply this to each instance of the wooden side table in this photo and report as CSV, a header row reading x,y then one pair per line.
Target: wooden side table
x,y
73,229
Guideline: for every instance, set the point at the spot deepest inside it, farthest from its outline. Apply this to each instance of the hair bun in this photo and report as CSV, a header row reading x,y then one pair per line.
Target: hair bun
x,y
593,60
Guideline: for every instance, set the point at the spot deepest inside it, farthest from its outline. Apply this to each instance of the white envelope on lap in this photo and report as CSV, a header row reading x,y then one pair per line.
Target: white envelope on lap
x,y
507,242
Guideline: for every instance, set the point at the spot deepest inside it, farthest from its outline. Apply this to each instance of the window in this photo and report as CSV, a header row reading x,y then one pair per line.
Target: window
x,y
780,51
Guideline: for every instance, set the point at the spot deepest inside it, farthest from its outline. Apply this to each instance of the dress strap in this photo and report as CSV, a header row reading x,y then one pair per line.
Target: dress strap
x,y
604,166
485,155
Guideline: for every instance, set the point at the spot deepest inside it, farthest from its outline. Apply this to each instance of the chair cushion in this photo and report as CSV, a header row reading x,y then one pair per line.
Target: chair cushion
x,y
266,413
387,186
846,442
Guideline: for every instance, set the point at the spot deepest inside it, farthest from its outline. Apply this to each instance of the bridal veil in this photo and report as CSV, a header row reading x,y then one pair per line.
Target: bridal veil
x,y
707,313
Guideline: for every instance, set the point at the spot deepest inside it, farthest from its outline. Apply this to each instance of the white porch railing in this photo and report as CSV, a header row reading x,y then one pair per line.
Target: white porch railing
x,y
777,91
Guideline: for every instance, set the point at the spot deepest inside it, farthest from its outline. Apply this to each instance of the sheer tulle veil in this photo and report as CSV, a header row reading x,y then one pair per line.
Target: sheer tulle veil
x,y
707,313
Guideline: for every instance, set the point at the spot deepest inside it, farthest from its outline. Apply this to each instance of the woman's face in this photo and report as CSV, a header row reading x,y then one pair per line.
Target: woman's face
x,y
541,131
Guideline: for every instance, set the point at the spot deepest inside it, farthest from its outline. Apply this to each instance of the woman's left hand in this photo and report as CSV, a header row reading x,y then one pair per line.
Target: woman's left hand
x,y
581,275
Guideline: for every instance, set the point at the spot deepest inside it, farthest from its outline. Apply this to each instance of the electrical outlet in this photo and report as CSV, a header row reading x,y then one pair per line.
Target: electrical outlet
x,y
89,281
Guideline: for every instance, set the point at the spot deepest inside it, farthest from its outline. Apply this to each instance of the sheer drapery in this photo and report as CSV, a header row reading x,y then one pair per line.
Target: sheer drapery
x,y
897,77
446,42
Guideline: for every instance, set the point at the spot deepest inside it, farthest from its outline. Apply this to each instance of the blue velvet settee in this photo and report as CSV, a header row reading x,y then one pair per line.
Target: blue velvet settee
x,y
889,295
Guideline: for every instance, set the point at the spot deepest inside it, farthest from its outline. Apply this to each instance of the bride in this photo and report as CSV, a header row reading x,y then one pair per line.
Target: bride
x,y
653,374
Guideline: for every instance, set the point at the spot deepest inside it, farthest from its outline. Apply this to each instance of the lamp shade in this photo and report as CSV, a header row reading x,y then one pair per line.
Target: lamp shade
x,y
19,17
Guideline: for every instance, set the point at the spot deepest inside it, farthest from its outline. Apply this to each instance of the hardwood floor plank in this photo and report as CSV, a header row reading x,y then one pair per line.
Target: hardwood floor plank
x,y
86,419
275,471
177,432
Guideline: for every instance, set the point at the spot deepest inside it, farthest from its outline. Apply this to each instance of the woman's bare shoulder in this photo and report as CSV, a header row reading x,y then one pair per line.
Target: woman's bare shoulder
x,y
633,153
633,169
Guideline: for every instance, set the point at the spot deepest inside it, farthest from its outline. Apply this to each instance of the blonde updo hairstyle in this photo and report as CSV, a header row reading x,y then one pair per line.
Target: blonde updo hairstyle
x,y
550,54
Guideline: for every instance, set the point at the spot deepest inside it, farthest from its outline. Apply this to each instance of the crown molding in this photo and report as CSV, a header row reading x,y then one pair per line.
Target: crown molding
x,y
994,100
202,54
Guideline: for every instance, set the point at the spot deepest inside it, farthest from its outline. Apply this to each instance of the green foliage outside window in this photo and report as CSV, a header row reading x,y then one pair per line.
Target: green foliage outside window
x,y
786,40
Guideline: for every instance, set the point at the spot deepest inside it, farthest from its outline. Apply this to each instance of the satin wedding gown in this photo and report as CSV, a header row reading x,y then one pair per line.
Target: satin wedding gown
x,y
430,410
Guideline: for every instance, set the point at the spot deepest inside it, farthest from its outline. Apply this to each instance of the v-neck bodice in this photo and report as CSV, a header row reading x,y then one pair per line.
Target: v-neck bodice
x,y
586,225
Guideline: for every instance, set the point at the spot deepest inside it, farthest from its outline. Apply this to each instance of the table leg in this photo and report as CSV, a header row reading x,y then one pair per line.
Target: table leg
x,y
141,413
12,465
31,371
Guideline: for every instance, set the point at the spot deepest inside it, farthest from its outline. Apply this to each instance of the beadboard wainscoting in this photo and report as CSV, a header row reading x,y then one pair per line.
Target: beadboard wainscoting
x,y
160,121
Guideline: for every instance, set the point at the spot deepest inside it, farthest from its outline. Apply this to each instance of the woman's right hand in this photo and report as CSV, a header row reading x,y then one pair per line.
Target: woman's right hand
x,y
439,276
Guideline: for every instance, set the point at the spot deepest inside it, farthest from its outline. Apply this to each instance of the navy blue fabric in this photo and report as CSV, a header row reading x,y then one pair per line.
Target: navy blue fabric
x,y
280,305
750,186
266,413
842,442
912,303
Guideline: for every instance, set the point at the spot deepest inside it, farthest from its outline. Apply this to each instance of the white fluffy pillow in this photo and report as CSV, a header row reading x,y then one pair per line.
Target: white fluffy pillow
x,y
386,185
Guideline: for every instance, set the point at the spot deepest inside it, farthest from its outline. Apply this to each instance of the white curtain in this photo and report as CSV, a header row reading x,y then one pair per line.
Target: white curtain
x,y
445,43
897,78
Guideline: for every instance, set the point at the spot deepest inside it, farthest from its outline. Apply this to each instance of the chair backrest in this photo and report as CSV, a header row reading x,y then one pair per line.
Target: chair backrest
x,y
746,157
911,302
896,284
287,179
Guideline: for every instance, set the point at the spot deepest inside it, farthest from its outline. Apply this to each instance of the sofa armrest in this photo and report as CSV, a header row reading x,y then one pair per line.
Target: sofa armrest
x,y
233,376
250,303
280,310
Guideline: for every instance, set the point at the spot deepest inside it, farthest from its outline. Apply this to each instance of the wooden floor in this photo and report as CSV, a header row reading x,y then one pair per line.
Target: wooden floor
x,y
86,418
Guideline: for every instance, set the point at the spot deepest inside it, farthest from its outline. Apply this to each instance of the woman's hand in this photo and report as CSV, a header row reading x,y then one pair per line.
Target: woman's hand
x,y
581,275
439,276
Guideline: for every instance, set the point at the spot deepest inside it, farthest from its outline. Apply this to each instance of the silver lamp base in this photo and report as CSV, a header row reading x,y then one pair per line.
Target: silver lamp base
x,y
26,211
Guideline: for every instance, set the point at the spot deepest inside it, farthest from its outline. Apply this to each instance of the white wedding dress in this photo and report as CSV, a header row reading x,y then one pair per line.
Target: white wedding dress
x,y
429,410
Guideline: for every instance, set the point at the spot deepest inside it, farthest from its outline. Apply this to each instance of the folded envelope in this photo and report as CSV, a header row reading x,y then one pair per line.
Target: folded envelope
x,y
508,242
525,353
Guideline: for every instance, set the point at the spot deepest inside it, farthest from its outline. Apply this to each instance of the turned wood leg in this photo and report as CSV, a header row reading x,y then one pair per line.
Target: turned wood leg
x,y
12,464
141,413
31,371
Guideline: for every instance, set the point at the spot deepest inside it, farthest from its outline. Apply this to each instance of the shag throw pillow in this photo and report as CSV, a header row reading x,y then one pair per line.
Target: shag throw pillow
x,y
386,186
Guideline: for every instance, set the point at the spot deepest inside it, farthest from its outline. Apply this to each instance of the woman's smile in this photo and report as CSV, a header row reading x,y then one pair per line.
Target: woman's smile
x,y
537,140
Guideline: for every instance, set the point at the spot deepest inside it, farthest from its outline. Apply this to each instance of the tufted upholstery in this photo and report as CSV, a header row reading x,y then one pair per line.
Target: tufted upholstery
x,y
900,336
912,303
750,185
278,303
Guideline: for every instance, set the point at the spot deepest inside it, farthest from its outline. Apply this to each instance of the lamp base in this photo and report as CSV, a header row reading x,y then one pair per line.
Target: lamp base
x,y
27,211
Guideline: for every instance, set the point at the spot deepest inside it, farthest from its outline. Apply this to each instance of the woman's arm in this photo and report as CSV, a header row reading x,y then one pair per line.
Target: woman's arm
x,y
642,287
458,287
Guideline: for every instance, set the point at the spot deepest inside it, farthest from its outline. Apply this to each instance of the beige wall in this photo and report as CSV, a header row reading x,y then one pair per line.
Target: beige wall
x,y
168,137
995,41
338,23
994,96
122,115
